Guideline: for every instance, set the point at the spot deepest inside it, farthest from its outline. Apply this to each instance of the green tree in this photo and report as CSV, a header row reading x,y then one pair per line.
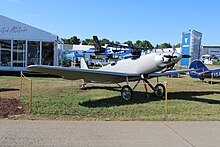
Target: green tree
x,y
104,41
89,42
178,45
117,43
84,42
164,45
111,43
146,44
129,43
72,40
138,43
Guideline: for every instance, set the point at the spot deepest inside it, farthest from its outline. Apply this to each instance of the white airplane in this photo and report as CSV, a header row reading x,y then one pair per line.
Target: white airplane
x,y
143,68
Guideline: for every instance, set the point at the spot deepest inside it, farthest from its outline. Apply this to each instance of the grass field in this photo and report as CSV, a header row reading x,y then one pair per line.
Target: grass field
x,y
216,62
56,98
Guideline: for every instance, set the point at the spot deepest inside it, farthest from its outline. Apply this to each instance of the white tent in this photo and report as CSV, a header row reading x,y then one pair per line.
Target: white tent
x,y
22,45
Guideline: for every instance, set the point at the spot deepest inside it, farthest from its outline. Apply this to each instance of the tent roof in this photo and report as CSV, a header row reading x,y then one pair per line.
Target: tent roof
x,y
12,29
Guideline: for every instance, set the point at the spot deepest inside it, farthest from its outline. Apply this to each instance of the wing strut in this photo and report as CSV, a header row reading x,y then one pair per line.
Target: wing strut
x,y
127,80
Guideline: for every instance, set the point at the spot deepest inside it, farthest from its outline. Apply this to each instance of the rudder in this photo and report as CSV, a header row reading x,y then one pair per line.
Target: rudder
x,y
97,45
199,67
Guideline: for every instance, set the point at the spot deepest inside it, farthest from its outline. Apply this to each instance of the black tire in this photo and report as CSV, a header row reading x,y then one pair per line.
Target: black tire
x,y
126,93
159,90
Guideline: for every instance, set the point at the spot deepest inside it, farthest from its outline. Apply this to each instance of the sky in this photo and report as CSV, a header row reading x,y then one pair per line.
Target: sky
x,y
157,21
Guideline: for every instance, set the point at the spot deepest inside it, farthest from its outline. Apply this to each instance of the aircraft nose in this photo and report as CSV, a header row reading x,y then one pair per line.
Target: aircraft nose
x,y
171,57
177,57
168,58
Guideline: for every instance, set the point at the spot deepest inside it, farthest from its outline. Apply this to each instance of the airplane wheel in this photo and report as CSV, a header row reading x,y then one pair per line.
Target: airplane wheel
x,y
126,92
82,86
159,90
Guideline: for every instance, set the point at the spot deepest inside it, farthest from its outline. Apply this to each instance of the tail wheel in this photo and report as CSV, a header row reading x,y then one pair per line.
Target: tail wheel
x,y
159,90
82,86
126,92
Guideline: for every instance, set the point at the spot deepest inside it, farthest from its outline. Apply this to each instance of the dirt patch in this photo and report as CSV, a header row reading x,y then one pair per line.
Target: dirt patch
x,y
10,107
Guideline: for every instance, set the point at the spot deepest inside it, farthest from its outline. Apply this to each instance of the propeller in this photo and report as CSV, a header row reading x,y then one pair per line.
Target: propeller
x,y
202,75
169,67
170,56
203,72
186,56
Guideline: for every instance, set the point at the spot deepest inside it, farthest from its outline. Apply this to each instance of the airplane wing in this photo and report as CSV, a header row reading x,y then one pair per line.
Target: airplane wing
x,y
215,71
170,72
86,74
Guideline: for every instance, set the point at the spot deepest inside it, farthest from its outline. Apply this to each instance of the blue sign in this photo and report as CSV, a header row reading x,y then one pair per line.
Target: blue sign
x,y
185,49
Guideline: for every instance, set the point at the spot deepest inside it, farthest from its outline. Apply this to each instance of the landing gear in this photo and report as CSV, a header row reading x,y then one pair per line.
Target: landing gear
x,y
126,92
83,85
159,90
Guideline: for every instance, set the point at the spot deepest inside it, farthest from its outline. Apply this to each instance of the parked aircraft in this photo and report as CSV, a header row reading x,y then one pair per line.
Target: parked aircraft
x,y
97,45
120,51
202,71
73,55
131,69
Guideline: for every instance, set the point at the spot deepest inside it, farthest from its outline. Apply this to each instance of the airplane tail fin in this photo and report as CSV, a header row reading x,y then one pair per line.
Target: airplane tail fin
x,y
97,45
199,67
81,42
83,64
108,52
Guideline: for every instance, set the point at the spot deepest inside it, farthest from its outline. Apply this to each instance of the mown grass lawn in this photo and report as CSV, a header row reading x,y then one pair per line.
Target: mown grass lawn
x,y
216,62
56,98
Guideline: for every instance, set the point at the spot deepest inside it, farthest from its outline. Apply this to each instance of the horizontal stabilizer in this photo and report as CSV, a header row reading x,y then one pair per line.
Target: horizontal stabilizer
x,y
199,67
201,70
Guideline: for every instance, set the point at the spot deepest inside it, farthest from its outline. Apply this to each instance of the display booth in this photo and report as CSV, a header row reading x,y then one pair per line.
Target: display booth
x,y
22,45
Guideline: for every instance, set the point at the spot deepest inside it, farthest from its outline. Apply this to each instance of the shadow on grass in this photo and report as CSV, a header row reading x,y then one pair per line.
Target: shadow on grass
x,y
141,98
213,82
207,81
116,88
192,96
8,89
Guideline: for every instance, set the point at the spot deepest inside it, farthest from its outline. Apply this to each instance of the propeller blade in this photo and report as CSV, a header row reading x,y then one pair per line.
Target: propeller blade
x,y
169,56
186,56
169,67
203,72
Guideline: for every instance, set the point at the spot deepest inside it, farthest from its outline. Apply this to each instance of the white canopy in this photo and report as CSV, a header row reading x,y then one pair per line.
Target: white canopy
x,y
12,29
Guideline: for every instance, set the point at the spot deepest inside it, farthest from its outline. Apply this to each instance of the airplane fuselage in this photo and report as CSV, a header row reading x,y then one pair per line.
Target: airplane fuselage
x,y
146,64
115,73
